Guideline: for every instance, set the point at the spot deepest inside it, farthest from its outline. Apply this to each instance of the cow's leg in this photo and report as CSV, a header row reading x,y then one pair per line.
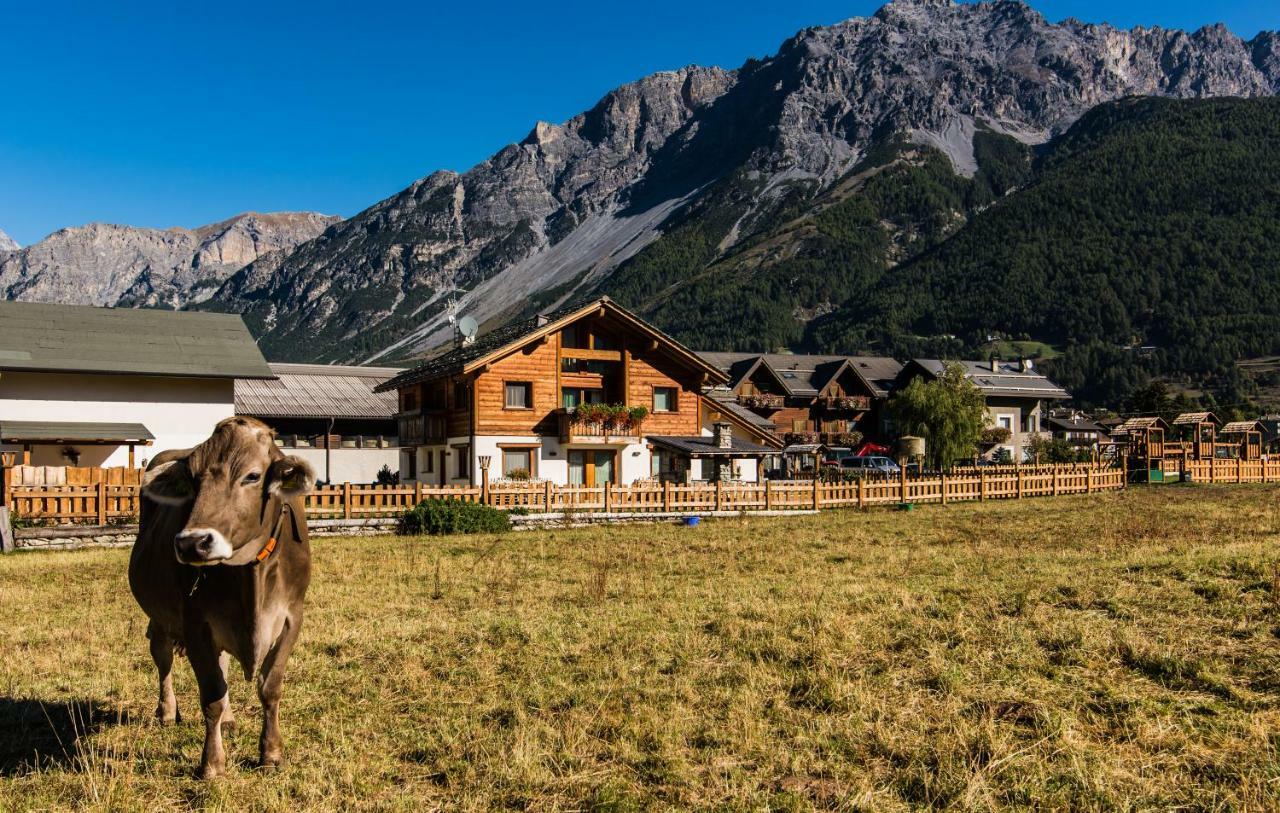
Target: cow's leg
x,y
162,654
207,665
270,687
228,717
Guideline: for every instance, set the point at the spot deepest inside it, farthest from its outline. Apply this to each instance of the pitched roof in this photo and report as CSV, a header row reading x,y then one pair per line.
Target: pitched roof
x,y
760,426
806,375
699,446
1192,418
1067,425
1141,423
70,432
318,391
39,337
1240,427
1008,379
510,337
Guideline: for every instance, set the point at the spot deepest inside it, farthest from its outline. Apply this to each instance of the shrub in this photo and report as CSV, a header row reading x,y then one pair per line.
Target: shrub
x,y
436,517
387,477
519,474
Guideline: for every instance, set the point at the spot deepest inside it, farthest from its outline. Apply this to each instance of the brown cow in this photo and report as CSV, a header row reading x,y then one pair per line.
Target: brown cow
x,y
221,566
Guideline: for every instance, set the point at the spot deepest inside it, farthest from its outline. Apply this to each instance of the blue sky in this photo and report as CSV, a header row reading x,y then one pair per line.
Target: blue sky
x,y
155,114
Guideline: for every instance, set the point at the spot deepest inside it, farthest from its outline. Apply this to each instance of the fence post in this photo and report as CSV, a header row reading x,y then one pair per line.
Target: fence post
x,y
6,531
768,495
942,479
902,484
817,495
102,502
862,492
717,495
1239,470
346,501
1055,481
417,491
1088,480
607,498
666,496
1018,470
546,496
982,486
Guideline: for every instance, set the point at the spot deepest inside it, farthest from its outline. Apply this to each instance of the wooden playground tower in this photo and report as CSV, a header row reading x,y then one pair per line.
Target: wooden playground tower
x,y
1149,454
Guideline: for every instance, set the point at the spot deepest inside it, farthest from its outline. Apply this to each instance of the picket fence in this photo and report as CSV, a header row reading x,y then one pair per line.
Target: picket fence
x,y
103,503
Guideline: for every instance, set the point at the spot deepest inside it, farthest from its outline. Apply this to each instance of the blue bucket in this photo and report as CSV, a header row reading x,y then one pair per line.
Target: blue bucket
x,y
692,521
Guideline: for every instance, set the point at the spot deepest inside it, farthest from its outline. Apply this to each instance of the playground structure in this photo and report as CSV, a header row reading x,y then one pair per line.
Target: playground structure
x,y
1152,456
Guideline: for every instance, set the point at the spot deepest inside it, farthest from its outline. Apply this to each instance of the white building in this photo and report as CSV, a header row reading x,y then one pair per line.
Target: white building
x,y
330,416
87,386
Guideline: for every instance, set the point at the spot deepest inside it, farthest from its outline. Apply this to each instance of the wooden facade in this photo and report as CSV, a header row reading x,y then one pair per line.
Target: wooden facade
x,y
511,405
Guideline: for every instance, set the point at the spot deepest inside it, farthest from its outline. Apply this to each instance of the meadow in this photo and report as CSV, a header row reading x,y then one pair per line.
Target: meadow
x,y
1119,651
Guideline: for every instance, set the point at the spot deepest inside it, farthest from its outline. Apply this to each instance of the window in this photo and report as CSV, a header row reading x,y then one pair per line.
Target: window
x,y
412,467
517,461
590,366
464,460
1005,422
664,399
519,395
571,397
428,463
461,395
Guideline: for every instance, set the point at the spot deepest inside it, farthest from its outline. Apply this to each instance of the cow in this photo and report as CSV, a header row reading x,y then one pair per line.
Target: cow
x,y
221,566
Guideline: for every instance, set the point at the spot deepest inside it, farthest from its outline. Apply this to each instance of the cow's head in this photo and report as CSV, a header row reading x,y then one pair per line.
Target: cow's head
x,y
235,483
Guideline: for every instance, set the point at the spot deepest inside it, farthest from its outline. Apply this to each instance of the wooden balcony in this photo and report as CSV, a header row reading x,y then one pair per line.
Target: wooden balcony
x,y
847,403
762,400
417,429
576,431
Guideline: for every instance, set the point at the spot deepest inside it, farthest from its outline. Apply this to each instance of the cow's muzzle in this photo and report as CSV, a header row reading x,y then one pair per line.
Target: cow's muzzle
x,y
201,546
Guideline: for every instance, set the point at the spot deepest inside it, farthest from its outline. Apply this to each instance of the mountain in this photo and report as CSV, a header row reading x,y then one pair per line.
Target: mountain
x,y
102,264
7,243
698,194
1144,241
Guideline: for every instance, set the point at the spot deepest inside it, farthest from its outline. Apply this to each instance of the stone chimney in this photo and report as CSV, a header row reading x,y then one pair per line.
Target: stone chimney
x,y
995,365
723,434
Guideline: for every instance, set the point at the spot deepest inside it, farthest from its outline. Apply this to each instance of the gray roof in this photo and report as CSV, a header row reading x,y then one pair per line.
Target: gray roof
x,y
1066,425
67,432
40,337
1008,379
727,402
806,375
318,391
699,446
455,361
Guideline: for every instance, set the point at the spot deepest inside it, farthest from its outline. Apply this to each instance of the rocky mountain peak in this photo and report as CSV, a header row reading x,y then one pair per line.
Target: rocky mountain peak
x,y
7,243
108,264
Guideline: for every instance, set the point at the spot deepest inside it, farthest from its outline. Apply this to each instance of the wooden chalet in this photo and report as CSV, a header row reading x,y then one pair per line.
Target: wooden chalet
x,y
808,399
587,395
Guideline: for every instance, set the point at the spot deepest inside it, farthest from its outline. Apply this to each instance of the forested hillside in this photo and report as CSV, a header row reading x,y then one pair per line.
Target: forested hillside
x,y
1150,224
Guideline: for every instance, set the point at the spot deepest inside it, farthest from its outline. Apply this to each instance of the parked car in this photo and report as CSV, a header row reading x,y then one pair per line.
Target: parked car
x,y
870,464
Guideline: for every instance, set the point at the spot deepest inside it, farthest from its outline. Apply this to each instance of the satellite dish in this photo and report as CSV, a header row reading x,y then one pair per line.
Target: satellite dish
x,y
467,327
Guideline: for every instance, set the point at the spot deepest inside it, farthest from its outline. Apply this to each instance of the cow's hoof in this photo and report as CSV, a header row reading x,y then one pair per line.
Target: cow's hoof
x,y
164,717
271,762
210,771
228,724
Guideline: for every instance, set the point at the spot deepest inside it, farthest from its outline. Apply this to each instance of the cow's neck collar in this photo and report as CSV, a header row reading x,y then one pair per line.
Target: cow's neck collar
x,y
274,539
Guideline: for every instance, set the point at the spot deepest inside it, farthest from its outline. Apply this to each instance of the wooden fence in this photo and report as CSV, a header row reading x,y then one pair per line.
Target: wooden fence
x,y
104,502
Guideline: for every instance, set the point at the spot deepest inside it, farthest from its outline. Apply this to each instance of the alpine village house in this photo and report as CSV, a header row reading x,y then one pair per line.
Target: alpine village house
x,y
586,395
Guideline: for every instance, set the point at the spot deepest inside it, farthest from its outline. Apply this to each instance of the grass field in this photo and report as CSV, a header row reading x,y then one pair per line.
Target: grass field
x,y
1120,652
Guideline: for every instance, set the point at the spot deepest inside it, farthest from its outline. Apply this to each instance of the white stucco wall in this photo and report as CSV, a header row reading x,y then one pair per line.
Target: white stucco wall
x,y
349,465
180,412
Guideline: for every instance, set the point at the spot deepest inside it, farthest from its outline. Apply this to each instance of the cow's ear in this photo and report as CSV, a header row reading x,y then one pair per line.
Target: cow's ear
x,y
169,484
290,477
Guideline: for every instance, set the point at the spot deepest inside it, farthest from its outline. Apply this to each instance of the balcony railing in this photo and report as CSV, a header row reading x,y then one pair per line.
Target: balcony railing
x,y
574,430
761,400
417,429
848,403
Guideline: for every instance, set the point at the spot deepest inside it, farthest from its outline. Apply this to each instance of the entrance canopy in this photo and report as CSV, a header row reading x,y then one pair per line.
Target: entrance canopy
x,y
698,446
115,434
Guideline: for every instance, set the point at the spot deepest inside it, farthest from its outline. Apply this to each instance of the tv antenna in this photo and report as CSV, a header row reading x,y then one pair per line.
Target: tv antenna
x,y
464,327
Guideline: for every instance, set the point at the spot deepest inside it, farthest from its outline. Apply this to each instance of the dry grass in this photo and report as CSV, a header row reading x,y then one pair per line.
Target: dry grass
x,y
1119,652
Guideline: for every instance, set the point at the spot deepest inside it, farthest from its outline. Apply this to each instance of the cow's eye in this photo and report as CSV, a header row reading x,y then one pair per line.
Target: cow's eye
x,y
251,478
